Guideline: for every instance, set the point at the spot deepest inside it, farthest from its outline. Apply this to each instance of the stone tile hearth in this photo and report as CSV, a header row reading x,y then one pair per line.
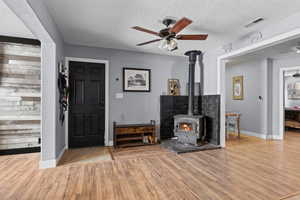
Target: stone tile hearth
x,y
174,146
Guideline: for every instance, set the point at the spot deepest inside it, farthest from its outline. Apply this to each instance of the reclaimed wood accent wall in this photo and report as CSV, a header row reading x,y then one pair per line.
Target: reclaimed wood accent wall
x,y
20,95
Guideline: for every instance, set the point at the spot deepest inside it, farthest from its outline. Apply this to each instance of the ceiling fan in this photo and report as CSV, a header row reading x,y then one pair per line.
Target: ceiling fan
x,y
169,35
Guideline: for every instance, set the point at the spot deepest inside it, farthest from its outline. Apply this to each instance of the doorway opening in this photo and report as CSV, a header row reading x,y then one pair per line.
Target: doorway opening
x,y
291,100
87,119
246,100
270,57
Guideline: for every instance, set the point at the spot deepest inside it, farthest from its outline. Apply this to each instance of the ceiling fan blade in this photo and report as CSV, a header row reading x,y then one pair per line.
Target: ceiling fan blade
x,y
144,43
191,37
145,30
181,24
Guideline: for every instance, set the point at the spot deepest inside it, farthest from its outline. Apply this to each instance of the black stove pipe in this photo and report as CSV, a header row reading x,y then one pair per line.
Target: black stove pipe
x,y
192,62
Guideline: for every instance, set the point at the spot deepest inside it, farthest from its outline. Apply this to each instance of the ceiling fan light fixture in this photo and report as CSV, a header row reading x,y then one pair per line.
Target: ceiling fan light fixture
x,y
163,44
172,45
169,35
168,44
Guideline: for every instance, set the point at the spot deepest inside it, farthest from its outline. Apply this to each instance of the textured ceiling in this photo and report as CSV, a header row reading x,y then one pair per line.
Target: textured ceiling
x,y
106,23
11,25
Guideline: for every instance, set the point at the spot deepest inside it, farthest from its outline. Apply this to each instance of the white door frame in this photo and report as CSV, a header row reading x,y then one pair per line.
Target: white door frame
x,y
281,99
106,62
221,63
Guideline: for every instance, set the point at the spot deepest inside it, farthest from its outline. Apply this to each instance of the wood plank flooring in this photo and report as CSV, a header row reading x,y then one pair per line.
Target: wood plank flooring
x,y
86,155
257,169
139,152
294,196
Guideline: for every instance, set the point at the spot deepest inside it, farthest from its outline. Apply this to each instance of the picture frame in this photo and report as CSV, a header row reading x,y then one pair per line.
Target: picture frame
x,y
293,90
136,80
238,88
173,87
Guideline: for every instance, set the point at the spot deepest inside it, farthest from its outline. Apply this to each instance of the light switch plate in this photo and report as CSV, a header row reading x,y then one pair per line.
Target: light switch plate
x,y
119,95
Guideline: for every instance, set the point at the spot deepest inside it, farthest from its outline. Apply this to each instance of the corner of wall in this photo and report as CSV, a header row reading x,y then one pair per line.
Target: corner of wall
x,y
45,164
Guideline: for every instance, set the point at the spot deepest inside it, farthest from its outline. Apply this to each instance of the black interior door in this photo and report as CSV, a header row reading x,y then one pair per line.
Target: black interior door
x,y
87,104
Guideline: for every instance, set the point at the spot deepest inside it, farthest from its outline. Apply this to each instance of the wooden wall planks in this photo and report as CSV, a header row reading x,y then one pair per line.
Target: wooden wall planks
x,y
20,95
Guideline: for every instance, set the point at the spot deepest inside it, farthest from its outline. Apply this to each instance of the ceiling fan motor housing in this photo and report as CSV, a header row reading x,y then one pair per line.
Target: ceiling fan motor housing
x,y
168,21
164,33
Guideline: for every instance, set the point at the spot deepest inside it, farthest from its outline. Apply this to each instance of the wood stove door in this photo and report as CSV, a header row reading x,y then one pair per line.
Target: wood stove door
x,y
169,107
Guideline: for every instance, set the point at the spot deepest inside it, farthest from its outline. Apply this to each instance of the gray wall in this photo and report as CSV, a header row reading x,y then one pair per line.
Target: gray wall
x,y
269,100
49,85
135,107
36,17
251,108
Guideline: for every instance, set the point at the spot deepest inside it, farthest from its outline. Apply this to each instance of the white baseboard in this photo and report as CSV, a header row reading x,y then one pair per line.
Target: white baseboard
x,y
269,137
110,143
277,137
262,136
60,155
250,133
44,164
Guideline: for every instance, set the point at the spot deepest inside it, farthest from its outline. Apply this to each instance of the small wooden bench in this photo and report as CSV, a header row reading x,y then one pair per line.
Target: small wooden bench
x,y
129,135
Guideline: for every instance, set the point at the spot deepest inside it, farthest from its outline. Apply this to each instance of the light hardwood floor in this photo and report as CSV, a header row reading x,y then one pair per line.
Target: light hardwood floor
x,y
85,155
255,169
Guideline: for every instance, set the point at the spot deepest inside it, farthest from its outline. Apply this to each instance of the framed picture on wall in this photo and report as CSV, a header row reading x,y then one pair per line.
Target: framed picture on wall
x,y
136,80
237,88
173,87
293,90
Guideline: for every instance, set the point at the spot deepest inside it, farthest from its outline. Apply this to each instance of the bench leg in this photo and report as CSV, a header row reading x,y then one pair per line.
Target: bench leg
x,y
238,126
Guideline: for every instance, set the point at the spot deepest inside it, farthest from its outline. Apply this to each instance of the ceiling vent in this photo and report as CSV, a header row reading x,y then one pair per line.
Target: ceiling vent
x,y
256,21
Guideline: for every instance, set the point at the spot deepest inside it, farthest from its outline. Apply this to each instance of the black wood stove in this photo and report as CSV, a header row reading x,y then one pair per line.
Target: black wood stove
x,y
190,128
